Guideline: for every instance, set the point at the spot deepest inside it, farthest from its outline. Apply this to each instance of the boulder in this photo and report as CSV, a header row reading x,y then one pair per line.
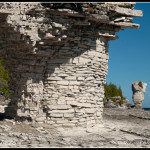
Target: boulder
x,y
114,102
115,97
2,98
111,104
126,104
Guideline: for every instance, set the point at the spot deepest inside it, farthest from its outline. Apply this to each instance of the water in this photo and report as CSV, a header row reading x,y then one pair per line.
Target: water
x,y
146,109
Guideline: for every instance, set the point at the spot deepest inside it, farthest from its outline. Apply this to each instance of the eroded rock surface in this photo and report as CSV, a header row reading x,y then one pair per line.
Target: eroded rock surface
x,y
139,89
121,128
57,58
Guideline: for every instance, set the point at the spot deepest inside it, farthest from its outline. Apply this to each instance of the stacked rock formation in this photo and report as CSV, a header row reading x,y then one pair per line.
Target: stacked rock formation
x,y
57,58
138,89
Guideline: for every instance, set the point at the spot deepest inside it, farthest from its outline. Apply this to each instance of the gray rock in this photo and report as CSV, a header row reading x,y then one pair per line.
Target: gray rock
x,y
48,57
138,93
126,104
115,97
111,104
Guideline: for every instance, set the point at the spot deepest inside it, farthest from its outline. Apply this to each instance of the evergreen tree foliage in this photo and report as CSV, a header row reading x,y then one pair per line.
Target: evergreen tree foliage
x,y
111,90
4,79
120,93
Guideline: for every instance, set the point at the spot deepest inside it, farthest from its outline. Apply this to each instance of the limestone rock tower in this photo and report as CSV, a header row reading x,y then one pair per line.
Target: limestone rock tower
x,y
57,58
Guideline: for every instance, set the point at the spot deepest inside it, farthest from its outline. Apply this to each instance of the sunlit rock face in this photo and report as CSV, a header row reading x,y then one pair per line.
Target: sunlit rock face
x,y
57,58
139,89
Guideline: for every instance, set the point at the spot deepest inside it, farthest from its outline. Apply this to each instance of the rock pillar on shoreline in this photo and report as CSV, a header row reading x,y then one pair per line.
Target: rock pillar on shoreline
x,y
138,89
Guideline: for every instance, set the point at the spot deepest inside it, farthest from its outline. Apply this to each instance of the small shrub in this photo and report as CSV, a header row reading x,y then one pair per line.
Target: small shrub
x,y
103,100
4,79
120,102
113,99
140,84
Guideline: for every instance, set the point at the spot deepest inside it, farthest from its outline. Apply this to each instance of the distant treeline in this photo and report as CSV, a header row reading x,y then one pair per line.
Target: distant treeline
x,y
4,79
111,90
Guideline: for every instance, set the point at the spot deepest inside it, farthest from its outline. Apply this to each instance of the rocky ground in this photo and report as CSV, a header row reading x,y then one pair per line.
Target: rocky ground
x,y
121,128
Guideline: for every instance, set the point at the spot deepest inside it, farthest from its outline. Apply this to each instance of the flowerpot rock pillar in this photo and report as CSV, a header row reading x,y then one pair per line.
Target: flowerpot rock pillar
x,y
57,58
139,89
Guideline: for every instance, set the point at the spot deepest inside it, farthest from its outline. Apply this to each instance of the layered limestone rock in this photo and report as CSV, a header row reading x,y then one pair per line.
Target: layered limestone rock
x,y
57,58
138,89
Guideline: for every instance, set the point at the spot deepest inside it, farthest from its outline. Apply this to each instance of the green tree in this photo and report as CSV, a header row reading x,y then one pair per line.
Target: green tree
x,y
120,92
4,79
111,90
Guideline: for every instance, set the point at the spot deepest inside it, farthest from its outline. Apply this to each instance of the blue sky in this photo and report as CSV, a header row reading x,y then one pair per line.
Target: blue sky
x,y
129,56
